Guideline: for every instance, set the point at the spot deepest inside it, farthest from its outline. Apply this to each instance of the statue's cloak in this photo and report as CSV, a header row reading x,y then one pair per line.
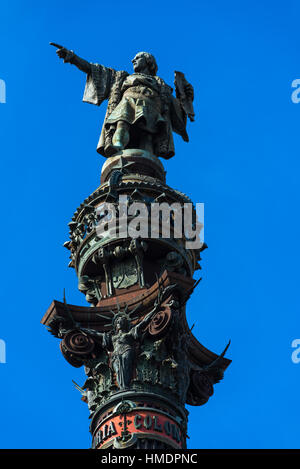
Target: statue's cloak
x,y
106,83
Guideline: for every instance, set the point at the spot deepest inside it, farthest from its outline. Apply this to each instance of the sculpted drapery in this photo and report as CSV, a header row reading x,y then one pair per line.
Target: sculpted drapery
x,y
142,113
141,100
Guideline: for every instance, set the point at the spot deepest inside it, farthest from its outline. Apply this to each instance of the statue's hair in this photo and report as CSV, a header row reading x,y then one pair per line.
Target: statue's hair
x,y
151,62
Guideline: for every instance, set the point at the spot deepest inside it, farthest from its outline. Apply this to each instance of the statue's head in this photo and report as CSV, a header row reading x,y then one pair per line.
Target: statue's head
x,y
144,62
121,323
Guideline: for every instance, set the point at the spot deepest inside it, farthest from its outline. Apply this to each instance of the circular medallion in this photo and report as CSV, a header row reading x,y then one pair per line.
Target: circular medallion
x,y
160,322
78,342
76,346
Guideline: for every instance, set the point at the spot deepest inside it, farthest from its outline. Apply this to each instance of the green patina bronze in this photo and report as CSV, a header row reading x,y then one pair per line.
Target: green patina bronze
x,y
134,341
142,112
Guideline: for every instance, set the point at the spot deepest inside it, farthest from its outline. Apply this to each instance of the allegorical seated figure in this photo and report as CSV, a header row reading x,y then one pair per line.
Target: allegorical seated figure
x,y
142,113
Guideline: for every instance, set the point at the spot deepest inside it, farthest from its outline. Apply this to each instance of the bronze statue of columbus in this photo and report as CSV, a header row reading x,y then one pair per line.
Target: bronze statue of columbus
x,y
142,112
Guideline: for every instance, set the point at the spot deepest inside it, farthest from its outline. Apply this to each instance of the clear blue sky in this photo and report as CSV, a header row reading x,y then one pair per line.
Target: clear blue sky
x,y
242,162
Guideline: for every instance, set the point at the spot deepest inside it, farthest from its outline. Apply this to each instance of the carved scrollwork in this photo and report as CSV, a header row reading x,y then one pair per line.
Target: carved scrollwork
x,y
160,323
162,320
77,347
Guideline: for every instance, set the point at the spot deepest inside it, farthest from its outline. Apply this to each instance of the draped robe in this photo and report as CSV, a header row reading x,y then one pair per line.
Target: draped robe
x,y
141,100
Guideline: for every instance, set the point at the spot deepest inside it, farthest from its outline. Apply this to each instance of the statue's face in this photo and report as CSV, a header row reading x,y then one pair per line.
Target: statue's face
x,y
121,324
139,63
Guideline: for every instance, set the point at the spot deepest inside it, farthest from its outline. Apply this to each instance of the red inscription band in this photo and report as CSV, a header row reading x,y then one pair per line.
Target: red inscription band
x,y
140,423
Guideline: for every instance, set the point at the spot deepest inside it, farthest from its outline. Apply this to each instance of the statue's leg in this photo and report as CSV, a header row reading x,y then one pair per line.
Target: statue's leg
x,y
127,365
121,136
117,367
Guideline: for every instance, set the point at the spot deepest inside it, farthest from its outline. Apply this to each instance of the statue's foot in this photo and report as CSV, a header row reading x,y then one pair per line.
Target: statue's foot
x,y
111,150
118,146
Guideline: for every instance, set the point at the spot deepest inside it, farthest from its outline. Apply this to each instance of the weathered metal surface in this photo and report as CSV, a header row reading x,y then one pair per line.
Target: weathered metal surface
x,y
142,112
142,361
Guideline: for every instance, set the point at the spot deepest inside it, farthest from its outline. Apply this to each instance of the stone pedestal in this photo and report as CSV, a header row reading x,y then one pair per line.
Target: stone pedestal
x,y
142,362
